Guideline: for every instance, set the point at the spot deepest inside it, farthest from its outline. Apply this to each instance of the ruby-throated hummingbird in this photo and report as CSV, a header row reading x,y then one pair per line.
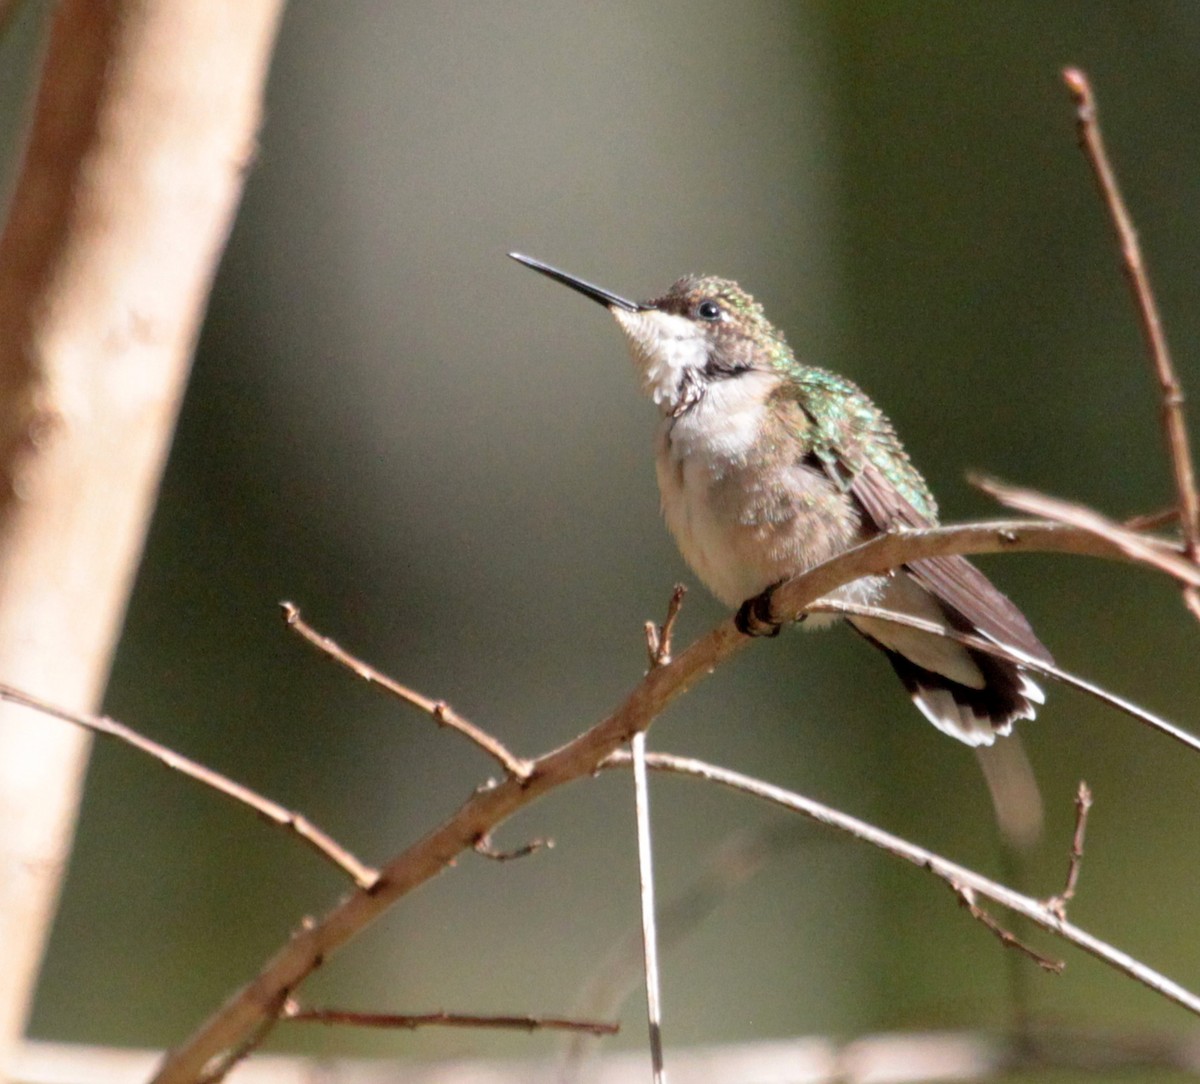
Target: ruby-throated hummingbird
x,y
768,467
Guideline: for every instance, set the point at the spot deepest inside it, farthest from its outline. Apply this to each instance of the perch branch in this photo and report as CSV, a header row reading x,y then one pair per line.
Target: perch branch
x,y
489,807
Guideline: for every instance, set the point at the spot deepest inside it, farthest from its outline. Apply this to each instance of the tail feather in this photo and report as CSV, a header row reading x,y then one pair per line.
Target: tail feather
x,y
974,716
964,692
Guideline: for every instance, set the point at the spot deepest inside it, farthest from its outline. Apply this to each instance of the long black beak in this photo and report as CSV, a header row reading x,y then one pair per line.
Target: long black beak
x,y
604,297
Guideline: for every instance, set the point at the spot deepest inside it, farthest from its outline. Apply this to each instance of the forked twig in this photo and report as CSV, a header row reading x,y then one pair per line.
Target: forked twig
x,y
298,824
1083,803
438,710
411,1021
1137,546
658,637
1173,419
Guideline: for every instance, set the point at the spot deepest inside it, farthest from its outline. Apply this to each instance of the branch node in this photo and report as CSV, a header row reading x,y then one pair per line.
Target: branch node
x,y
658,637
483,846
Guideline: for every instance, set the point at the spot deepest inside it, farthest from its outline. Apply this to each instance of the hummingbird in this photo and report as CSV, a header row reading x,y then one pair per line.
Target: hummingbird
x,y
768,466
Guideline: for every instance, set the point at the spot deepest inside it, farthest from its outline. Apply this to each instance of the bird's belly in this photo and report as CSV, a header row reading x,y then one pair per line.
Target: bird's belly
x,y
743,526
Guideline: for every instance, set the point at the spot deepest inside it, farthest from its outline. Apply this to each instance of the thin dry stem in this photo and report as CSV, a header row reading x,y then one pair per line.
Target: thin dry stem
x,y
966,897
296,823
438,710
1135,544
641,790
1174,421
1083,804
411,1021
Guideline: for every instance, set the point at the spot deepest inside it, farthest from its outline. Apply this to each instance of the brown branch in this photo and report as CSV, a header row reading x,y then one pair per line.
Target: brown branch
x,y
1036,911
438,710
1136,545
1083,804
296,823
412,1021
1174,421
491,806
1012,654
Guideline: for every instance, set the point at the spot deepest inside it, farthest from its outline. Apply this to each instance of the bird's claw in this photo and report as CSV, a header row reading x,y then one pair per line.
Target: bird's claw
x,y
754,615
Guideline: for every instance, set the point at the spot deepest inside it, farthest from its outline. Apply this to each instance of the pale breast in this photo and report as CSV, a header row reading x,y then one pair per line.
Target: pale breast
x,y
745,508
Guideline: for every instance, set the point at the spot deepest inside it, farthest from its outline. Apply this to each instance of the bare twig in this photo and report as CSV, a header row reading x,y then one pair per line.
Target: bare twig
x,y
438,710
411,1021
1136,545
658,637
294,822
1012,654
1173,419
953,874
1083,803
483,846
966,897
641,792
489,807
1149,521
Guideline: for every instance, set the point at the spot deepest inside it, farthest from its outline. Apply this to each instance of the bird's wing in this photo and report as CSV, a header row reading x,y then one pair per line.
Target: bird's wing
x,y
953,580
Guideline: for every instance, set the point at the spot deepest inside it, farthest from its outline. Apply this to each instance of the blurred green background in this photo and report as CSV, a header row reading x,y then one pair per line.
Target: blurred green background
x,y
442,458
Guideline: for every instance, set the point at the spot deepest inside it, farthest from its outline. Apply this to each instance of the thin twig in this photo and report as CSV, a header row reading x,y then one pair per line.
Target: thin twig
x,y
411,1021
1012,654
1035,910
641,792
438,710
483,846
1145,549
1173,419
1149,521
966,897
1083,803
658,637
324,844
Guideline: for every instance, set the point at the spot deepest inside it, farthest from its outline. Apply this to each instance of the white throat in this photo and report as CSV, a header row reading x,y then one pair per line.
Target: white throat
x,y
665,349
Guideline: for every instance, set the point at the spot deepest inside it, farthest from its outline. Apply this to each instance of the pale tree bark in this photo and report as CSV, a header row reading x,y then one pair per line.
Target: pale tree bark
x,y
143,128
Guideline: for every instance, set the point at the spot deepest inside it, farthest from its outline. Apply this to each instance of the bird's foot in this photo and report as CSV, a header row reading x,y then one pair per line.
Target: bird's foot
x,y
754,615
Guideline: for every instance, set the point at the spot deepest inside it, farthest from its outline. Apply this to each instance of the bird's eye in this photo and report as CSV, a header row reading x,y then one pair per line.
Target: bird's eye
x,y
708,310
